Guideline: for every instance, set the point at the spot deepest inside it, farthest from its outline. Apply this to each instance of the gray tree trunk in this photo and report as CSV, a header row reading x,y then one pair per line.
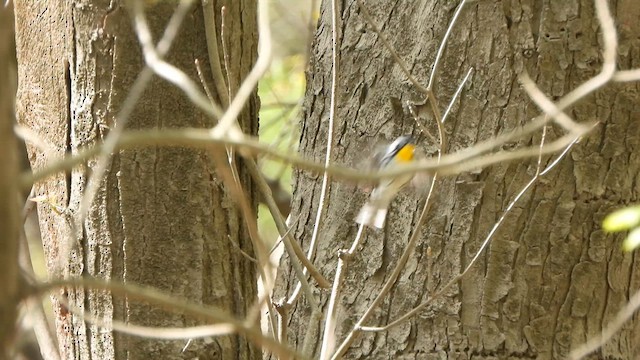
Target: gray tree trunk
x,y
551,277
162,217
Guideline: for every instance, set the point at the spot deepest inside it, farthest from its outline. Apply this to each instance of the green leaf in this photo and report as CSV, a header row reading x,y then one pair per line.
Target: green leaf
x,y
622,219
632,241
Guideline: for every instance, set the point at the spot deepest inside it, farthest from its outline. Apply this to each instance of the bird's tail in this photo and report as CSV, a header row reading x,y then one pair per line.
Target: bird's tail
x,y
372,214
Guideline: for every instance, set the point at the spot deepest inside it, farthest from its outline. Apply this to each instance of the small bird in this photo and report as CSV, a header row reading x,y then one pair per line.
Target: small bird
x,y
374,212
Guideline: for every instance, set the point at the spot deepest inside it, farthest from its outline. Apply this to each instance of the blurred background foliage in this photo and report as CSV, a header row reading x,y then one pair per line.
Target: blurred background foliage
x,y
281,91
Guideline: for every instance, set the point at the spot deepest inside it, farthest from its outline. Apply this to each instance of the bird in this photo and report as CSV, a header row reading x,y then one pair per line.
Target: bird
x,y
374,212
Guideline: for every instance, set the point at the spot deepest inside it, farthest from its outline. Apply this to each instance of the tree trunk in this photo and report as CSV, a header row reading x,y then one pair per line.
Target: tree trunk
x,y
551,278
9,192
161,217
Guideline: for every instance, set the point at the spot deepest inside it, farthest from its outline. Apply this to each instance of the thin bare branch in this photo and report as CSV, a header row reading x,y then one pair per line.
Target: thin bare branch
x,y
627,75
294,252
262,253
610,39
548,106
404,258
231,88
214,55
244,253
335,45
486,241
163,333
598,341
32,137
455,96
138,87
167,71
416,118
391,280
231,156
391,49
443,44
171,303
324,187
47,340
227,125
289,228
329,335
203,81
463,160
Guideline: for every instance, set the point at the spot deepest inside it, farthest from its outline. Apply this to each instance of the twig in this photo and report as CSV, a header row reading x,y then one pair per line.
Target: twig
x,y
283,323
46,338
503,157
289,228
390,282
163,333
264,294
214,55
599,340
289,242
244,253
171,303
443,43
455,95
230,88
433,100
311,334
313,244
278,104
425,90
235,188
219,81
335,68
227,124
610,39
329,335
203,81
284,114
408,251
627,75
548,106
32,137
199,138
29,205
443,290
416,118
391,49
165,70
137,89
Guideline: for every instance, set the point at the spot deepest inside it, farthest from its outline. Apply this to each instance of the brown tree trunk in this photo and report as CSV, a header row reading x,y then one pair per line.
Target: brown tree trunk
x,y
550,278
161,217
9,210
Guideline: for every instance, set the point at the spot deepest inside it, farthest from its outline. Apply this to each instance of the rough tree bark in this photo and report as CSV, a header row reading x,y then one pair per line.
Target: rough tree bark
x,y
550,278
162,217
